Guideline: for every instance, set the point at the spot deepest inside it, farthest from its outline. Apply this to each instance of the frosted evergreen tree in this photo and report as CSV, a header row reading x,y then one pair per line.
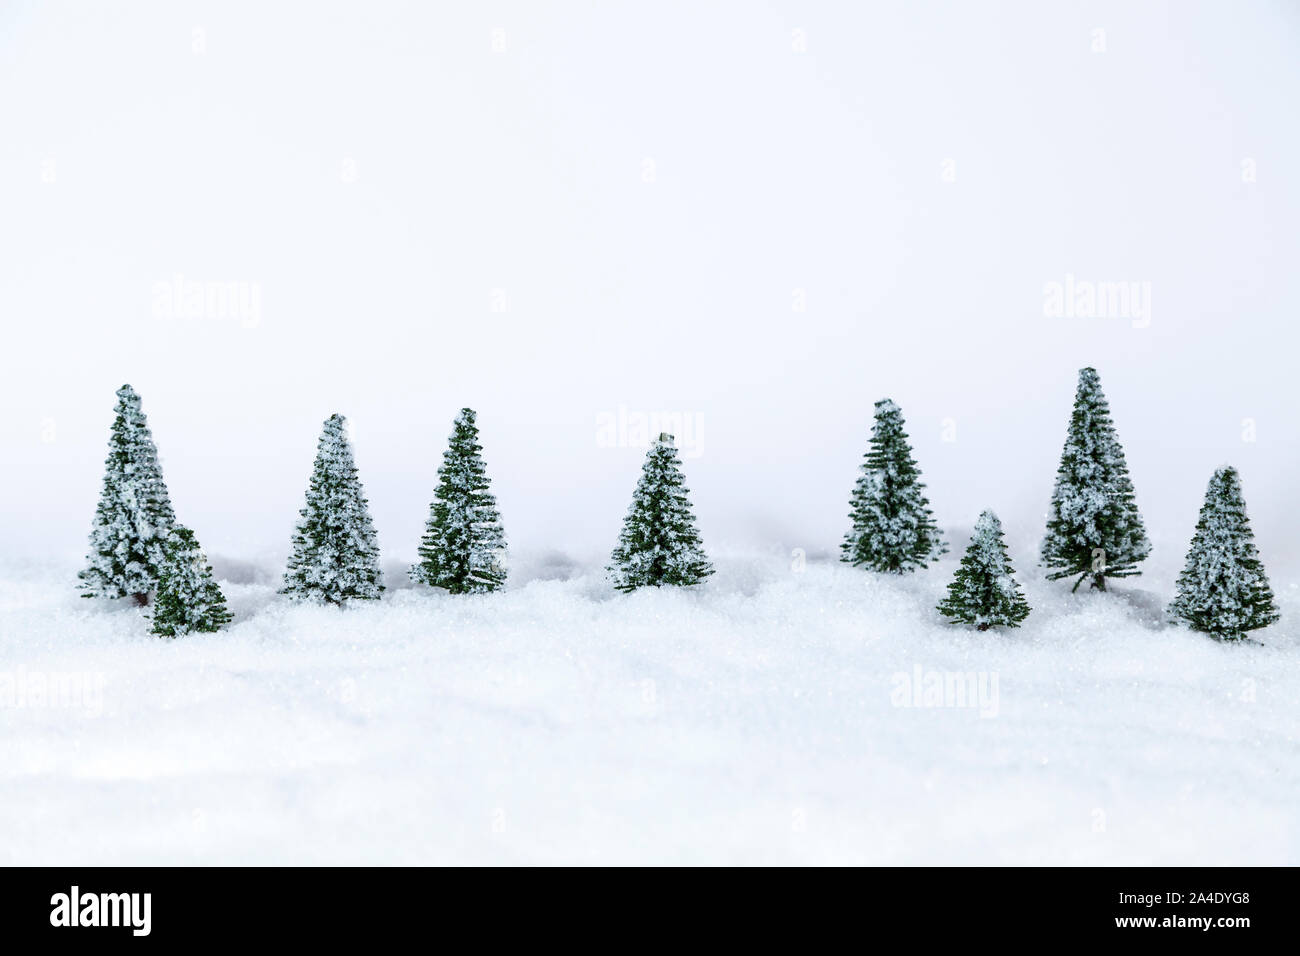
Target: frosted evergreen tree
x,y
1093,529
659,544
463,548
335,555
1223,590
134,515
189,598
892,528
983,592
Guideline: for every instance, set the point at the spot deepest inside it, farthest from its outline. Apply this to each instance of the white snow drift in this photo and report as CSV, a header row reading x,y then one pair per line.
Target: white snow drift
x,y
769,716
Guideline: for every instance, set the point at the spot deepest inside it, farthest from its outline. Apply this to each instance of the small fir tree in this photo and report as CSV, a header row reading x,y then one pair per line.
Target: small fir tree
x,y
1223,590
463,548
189,598
335,555
892,528
983,592
659,544
134,515
1094,529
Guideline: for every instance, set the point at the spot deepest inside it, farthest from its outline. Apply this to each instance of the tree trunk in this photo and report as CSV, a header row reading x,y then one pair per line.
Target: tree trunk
x,y
1099,581
141,599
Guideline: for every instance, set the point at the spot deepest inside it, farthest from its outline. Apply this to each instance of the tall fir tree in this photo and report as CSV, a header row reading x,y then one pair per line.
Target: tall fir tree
x,y
134,515
1094,529
984,592
1223,590
892,528
659,544
189,598
463,548
335,555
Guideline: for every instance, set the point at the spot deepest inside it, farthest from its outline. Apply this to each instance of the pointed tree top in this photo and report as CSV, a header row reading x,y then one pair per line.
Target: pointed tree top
x,y
467,415
888,418
129,395
1089,380
988,521
335,427
1225,477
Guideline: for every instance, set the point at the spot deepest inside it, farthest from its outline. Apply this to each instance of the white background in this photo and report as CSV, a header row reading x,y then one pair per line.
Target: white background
x,y
523,170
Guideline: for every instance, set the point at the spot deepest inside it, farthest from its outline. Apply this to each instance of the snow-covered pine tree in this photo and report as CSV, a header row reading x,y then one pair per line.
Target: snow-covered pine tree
x,y
659,543
893,528
983,591
1223,590
335,556
189,598
463,547
1094,528
134,515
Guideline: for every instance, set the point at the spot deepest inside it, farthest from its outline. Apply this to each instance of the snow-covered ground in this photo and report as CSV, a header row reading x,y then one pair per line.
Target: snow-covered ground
x,y
764,718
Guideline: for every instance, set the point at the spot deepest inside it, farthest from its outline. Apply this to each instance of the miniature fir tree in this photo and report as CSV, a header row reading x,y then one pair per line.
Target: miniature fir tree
x,y
983,591
893,528
189,598
1223,590
134,515
463,548
659,543
335,556
1094,529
